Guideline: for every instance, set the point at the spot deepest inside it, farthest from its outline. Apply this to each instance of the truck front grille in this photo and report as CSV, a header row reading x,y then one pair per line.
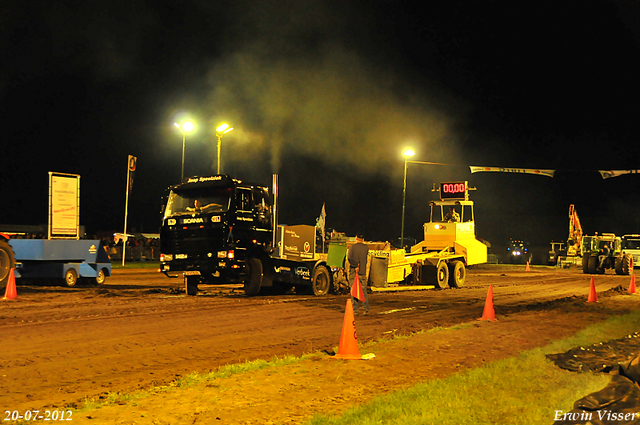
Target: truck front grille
x,y
194,242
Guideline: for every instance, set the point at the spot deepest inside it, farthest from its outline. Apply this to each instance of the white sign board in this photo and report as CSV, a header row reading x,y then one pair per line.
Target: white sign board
x,y
64,206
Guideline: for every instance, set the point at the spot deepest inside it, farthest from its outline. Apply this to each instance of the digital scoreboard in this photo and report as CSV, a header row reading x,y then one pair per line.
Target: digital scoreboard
x,y
457,191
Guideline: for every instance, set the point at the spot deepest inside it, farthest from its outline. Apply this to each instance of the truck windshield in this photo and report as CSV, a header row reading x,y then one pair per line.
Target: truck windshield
x,y
198,201
631,244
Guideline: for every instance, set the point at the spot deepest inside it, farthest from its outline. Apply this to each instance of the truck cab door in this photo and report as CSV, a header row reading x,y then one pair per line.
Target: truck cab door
x,y
243,228
262,214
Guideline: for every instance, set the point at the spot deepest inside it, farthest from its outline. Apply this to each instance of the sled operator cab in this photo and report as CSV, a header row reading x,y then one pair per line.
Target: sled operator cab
x,y
451,225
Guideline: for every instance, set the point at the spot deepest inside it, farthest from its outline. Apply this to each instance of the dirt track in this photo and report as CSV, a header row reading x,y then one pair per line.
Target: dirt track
x,y
138,330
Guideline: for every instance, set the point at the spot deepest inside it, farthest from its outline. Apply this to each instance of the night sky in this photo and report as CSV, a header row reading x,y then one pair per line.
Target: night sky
x,y
327,94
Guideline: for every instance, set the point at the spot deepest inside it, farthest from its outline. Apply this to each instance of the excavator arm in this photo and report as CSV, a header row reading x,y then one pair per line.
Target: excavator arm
x,y
574,242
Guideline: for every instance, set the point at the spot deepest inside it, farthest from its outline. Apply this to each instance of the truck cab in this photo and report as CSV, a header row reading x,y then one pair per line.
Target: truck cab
x,y
631,245
211,225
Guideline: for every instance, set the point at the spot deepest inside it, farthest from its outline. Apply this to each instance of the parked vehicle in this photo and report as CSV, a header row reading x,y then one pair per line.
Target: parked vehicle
x,y
595,261
67,262
557,251
631,245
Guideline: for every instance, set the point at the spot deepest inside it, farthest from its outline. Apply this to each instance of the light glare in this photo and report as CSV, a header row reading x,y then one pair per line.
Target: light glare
x,y
408,153
222,127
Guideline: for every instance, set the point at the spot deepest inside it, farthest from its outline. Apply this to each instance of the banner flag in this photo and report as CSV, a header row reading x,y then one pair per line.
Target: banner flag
x,y
320,221
607,174
132,168
479,169
356,289
130,172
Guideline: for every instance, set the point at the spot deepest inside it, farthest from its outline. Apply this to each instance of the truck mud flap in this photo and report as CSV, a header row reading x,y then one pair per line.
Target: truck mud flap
x,y
191,284
378,272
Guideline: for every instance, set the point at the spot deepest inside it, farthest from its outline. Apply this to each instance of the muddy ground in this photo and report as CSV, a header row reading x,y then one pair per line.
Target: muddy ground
x,y
139,331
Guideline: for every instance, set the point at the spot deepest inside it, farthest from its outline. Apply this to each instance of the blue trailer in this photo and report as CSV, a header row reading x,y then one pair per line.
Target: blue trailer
x,y
69,261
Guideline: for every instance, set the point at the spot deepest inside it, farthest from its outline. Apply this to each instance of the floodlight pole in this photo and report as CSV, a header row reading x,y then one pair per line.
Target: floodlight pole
x,y
184,140
219,143
407,153
404,197
184,127
220,131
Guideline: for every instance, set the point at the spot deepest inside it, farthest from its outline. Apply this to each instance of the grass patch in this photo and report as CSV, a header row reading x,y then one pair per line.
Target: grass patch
x,y
234,369
526,389
135,265
192,379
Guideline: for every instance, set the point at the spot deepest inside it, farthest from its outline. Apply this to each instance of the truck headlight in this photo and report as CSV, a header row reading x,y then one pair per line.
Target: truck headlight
x,y
166,257
222,254
171,222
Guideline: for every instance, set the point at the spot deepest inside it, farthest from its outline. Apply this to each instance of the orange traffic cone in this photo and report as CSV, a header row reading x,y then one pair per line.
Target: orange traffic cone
x,y
632,285
593,296
528,269
348,348
10,293
489,313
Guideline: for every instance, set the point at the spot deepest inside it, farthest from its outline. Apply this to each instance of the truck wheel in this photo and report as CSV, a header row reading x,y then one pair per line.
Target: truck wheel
x,y
101,277
626,264
71,278
253,281
457,274
7,261
618,265
321,282
593,264
442,275
585,264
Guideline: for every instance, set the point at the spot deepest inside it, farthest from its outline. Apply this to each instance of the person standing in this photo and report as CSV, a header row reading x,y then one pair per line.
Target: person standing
x,y
358,266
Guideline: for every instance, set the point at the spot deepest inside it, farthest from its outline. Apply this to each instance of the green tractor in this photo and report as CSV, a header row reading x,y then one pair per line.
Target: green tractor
x,y
592,247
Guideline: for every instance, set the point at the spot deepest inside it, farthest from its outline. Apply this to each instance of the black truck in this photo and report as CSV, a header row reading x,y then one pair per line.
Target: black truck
x,y
217,229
